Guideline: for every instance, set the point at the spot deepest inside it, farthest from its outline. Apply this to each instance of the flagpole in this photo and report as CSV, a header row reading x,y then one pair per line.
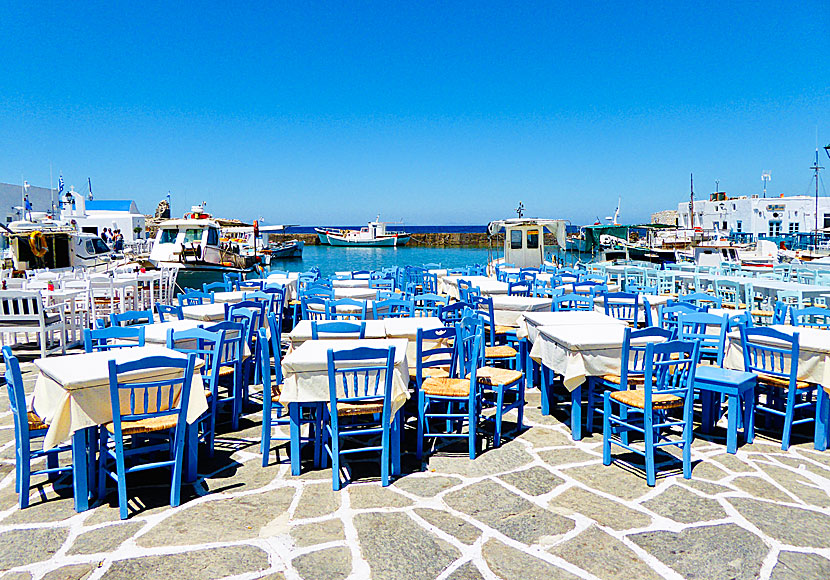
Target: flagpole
x,y
51,189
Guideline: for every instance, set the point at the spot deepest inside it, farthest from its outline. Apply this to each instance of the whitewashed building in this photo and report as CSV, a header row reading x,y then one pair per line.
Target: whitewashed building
x,y
92,216
770,216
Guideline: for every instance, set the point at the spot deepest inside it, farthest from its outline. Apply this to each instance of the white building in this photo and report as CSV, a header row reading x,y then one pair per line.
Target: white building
x,y
771,216
92,216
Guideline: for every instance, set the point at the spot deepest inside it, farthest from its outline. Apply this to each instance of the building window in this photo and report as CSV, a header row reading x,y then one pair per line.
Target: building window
x,y
725,225
739,226
827,220
774,228
793,227
515,239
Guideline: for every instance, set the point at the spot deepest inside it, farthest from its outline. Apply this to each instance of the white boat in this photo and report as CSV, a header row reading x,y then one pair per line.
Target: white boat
x,y
524,240
374,234
255,241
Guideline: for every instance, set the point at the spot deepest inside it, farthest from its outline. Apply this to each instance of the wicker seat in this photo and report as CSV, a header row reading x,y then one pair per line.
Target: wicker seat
x,y
500,351
429,372
35,422
492,376
781,382
151,425
632,379
637,399
354,409
446,387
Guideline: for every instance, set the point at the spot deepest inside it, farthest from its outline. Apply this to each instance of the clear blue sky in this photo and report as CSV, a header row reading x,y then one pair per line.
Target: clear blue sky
x,y
429,112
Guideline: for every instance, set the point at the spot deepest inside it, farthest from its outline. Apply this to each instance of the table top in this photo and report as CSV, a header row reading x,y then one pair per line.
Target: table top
x,y
235,296
585,337
157,333
811,339
521,303
302,331
408,327
278,277
361,283
355,293
85,370
311,356
211,312
579,318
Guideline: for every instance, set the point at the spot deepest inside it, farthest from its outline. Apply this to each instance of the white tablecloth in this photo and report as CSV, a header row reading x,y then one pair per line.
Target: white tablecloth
x,y
72,391
305,370
508,309
302,332
290,284
408,328
236,296
205,312
579,351
489,286
355,293
813,353
529,323
362,283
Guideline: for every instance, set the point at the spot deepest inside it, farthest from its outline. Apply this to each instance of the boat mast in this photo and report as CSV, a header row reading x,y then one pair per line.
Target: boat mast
x,y
816,168
692,203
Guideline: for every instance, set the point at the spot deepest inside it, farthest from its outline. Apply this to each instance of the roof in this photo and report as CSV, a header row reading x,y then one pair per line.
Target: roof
x,y
125,205
185,222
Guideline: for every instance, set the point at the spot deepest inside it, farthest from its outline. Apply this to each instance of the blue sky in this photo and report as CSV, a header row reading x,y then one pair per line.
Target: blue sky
x,y
440,112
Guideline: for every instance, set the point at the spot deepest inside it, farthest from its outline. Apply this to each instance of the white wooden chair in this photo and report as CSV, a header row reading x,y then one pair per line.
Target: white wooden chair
x,y
24,312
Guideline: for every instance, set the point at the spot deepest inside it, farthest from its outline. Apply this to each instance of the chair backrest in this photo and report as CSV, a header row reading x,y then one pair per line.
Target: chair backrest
x,y
469,340
337,327
729,291
670,370
569,302
623,306
132,318
483,308
346,309
231,279
209,287
145,399
702,299
813,316
520,288
361,375
428,304
233,341
22,306
194,298
258,308
17,396
770,352
250,317
452,313
162,309
633,361
98,339
205,345
251,285
707,329
382,283
393,308
314,307
669,313
780,312
261,296
435,347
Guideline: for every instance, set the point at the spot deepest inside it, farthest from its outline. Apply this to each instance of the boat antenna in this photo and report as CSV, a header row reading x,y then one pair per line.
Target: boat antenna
x,y
521,209
766,177
692,202
816,168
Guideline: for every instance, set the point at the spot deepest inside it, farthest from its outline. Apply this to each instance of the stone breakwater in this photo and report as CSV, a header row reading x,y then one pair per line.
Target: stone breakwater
x,y
454,239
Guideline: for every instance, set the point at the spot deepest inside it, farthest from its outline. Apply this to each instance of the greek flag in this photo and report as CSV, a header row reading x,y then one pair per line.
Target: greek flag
x,y
60,184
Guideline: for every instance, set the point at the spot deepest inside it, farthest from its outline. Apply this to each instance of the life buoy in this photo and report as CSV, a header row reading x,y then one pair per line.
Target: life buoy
x,y
37,243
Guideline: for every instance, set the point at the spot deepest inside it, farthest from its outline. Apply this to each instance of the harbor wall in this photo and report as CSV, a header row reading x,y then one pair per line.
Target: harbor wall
x,y
454,239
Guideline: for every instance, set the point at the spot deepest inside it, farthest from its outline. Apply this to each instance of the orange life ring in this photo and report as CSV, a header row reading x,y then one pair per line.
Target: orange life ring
x,y
37,243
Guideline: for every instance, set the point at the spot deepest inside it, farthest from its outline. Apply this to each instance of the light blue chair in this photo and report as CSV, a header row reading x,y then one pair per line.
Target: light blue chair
x,y
231,367
211,287
346,309
195,298
669,377
393,308
623,306
428,304
113,337
811,316
157,407
28,426
337,327
132,318
164,309
360,405
571,302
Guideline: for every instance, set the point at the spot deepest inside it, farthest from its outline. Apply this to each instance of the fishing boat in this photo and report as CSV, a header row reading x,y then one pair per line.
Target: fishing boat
x,y
524,240
255,241
373,235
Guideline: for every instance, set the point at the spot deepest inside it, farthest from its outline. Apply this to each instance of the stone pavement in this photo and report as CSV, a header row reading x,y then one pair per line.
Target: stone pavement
x,y
541,506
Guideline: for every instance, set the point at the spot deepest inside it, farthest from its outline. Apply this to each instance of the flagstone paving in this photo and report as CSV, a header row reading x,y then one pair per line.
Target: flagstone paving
x,y
541,506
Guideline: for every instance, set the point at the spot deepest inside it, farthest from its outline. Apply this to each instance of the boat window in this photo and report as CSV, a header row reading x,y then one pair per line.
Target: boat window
x,y
515,239
192,235
168,236
90,249
100,246
532,239
213,237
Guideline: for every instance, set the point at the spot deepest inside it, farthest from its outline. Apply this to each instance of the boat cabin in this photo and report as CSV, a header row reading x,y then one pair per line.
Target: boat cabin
x,y
524,239
29,245
715,255
184,240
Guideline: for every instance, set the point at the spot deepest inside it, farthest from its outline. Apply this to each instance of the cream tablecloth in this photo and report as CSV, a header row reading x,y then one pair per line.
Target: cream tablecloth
x,y
408,328
302,332
290,284
529,323
508,309
72,391
205,312
305,370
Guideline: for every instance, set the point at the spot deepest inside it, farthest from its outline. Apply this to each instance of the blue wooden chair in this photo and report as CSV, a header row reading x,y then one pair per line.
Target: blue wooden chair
x,y
520,288
231,279
708,330
207,346
346,309
195,298
360,405
623,306
668,314
279,414
780,312
571,302
393,308
257,312
812,316
453,313
632,372
99,339
669,376
773,356
157,407
428,304
132,318
337,327
232,366
211,287
730,293
28,426
382,284
501,342
261,296
314,307
702,299
164,309
453,401
435,356
250,285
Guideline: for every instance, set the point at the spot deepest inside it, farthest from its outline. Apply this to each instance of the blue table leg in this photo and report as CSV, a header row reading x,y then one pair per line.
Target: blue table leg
x,y
707,411
81,470
576,413
294,422
822,419
545,387
191,452
395,443
732,425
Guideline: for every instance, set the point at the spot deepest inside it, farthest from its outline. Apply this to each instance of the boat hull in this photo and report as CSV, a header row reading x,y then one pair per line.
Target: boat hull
x,y
378,243
292,249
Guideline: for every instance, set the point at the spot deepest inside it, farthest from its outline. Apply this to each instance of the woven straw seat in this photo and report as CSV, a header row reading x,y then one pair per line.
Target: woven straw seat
x,y
740,305
353,409
637,399
428,372
780,382
145,425
501,329
762,313
294,302
35,422
500,351
446,387
493,376
632,379
225,371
